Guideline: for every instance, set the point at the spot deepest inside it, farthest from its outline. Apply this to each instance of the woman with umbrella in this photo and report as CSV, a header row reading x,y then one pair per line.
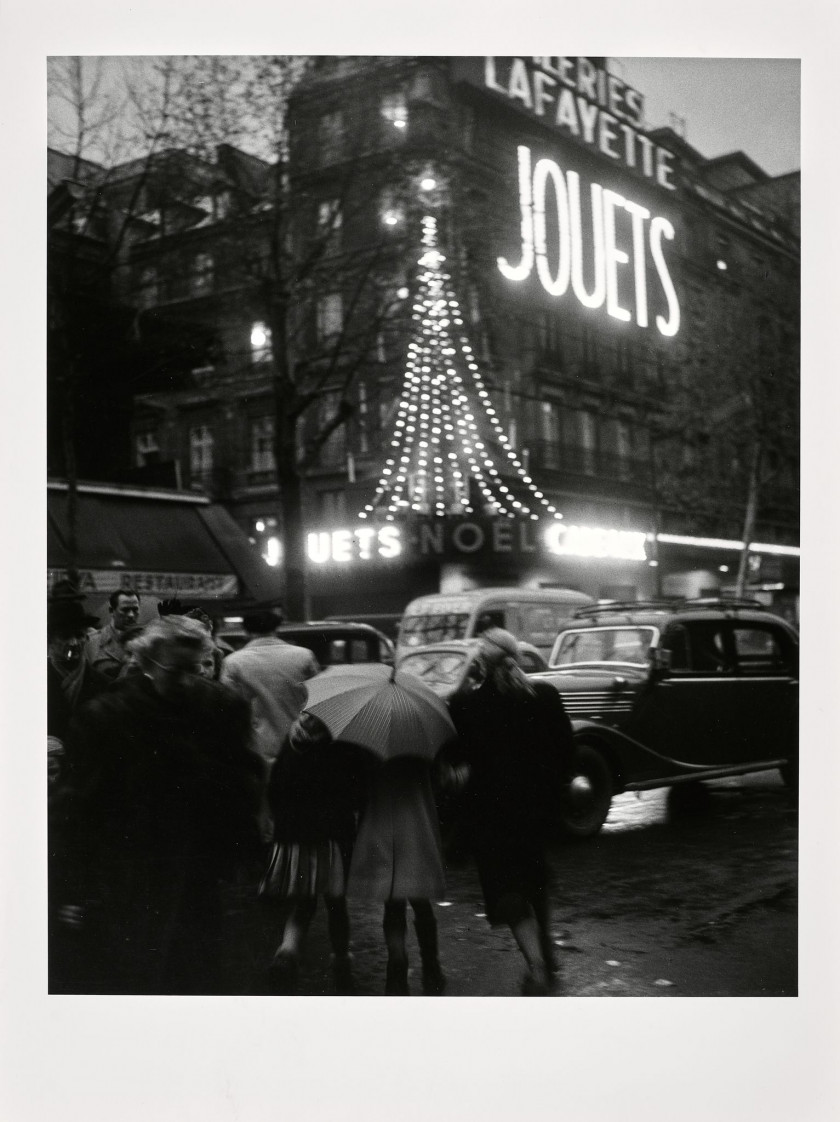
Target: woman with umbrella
x,y
516,738
314,791
397,855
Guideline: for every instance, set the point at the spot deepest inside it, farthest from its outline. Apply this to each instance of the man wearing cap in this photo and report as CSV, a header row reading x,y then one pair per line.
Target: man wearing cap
x,y
106,650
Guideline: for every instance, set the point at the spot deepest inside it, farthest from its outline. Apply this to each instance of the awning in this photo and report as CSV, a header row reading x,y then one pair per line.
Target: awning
x,y
163,543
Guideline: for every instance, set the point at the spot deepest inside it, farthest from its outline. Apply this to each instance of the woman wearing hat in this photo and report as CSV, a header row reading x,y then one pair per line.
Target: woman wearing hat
x,y
517,740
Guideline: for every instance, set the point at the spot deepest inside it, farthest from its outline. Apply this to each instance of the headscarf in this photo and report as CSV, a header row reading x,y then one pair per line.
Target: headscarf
x,y
498,653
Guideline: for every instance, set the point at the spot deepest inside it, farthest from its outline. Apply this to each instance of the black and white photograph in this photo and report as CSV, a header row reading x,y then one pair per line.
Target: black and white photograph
x,y
421,458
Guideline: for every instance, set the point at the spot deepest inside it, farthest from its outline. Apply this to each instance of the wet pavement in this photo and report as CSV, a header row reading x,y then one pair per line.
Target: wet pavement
x,y
684,893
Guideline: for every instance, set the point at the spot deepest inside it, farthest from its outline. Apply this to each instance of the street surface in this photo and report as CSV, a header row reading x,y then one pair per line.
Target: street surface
x,y
684,893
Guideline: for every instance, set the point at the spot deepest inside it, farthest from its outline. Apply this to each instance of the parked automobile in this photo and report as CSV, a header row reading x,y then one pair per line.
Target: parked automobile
x,y
333,644
444,666
668,693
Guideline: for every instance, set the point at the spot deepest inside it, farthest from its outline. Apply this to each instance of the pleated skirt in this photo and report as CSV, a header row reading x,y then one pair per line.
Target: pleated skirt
x,y
304,869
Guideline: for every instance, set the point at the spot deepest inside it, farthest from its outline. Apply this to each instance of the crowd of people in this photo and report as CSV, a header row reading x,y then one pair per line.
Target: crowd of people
x,y
174,764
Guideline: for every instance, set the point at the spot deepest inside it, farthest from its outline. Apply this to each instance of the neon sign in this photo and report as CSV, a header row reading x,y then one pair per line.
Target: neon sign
x,y
592,541
607,208
471,537
578,98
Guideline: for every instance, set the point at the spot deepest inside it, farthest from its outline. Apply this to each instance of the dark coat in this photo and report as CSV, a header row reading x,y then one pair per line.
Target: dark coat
x,y
60,708
521,755
158,798
315,794
520,752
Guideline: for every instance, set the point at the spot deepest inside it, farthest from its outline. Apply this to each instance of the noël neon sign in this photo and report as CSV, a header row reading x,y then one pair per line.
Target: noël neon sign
x,y
467,538
609,258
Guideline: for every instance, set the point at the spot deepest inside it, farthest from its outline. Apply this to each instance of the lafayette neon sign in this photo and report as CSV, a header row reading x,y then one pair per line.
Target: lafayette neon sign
x,y
608,209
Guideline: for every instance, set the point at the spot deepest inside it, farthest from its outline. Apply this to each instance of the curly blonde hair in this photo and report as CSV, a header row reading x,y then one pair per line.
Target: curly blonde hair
x,y
498,653
170,632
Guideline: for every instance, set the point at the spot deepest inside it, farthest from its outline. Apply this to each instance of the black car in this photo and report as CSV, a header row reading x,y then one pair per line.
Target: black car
x,y
667,693
332,643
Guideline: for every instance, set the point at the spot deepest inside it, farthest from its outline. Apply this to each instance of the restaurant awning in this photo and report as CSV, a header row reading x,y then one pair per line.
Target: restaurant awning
x,y
163,543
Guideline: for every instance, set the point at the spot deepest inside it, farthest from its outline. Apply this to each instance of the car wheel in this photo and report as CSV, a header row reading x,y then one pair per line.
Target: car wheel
x,y
590,794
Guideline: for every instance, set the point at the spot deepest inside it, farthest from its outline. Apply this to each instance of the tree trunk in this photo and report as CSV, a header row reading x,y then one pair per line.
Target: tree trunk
x,y
749,520
289,479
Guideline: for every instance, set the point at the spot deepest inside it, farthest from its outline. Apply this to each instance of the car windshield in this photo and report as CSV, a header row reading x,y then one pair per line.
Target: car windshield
x,y
435,667
416,631
628,645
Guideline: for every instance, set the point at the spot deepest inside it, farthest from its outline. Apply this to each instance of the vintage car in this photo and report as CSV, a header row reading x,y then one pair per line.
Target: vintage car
x,y
333,643
444,666
669,693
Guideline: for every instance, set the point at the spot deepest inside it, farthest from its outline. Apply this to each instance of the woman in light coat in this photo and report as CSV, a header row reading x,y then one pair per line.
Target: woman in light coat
x,y
397,859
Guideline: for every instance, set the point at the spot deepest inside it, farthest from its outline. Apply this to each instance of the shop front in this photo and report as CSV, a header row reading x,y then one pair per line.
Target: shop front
x,y
162,544
380,567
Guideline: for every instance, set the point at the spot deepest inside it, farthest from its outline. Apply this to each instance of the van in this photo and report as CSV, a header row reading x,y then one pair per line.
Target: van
x,y
533,615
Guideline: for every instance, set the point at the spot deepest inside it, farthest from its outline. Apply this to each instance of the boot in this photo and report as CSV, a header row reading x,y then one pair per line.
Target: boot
x,y
396,978
342,971
434,980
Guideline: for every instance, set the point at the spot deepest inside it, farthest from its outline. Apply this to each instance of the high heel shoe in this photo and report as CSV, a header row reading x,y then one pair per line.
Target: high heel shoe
x,y
434,980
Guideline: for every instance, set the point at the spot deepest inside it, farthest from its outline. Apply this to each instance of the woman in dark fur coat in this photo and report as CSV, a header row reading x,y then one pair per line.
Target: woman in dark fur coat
x,y
160,797
516,739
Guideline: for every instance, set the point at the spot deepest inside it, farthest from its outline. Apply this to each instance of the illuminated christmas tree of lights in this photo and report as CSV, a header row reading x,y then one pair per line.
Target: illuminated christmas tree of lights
x,y
445,420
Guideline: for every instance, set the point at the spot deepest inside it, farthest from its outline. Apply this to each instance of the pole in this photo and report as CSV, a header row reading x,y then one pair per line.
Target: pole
x,y
749,520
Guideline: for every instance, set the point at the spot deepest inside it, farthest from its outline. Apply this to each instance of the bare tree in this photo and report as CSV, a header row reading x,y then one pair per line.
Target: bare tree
x,y
89,230
287,254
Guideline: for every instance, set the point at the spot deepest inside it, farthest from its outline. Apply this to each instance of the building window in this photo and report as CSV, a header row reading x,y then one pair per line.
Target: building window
x,y
334,449
363,419
331,136
260,342
262,444
202,274
624,448
550,433
588,441
330,222
329,317
201,450
394,109
146,449
334,506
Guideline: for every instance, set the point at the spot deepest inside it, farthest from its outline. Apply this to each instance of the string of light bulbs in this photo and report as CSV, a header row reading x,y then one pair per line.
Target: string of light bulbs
x,y
436,445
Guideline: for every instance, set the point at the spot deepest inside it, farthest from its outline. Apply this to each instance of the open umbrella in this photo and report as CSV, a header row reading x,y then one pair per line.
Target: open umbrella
x,y
389,713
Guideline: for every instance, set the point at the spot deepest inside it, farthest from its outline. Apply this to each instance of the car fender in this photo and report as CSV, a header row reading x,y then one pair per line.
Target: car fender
x,y
629,759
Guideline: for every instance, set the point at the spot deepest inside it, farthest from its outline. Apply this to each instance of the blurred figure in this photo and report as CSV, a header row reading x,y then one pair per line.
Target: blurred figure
x,y
70,679
314,793
397,858
269,674
106,649
516,739
161,797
